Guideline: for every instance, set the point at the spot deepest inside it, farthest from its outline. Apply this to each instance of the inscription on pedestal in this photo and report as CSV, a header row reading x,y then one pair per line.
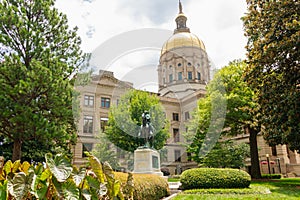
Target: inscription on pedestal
x,y
155,162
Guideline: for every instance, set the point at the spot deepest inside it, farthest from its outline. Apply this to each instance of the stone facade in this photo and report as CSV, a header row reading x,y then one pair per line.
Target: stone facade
x,y
281,159
96,98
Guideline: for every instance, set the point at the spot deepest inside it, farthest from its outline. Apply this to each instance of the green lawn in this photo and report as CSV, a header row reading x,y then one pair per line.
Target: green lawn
x,y
288,188
173,179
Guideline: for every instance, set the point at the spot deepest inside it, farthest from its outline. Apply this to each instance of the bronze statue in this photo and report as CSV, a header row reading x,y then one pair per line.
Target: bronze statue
x,y
147,130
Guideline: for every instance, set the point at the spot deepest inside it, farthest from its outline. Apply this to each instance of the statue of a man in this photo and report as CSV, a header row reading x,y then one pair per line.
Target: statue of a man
x,y
147,130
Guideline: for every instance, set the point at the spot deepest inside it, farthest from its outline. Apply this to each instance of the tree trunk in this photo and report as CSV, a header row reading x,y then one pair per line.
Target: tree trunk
x,y
255,167
17,150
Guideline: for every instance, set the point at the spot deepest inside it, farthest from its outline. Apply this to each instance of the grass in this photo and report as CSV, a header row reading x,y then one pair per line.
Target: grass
x,y
173,179
288,188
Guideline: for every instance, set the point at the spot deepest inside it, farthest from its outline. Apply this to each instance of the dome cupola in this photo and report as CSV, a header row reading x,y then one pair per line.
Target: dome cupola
x,y
182,36
181,21
183,66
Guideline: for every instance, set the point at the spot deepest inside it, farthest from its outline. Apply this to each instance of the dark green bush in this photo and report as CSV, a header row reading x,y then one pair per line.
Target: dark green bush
x,y
271,176
214,178
146,186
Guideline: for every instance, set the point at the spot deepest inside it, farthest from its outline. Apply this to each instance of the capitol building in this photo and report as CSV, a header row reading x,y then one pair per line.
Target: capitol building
x,y
183,73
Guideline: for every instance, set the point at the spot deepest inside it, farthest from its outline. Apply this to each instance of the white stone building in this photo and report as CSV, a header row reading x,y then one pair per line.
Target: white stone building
x,y
183,72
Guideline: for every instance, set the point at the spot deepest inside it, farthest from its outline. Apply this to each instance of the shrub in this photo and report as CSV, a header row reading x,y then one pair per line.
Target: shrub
x,y
214,178
271,176
146,186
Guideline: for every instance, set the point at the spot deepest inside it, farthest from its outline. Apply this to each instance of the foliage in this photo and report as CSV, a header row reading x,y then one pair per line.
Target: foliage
x,y
60,180
226,154
126,118
214,178
104,151
39,56
273,31
147,186
271,176
240,113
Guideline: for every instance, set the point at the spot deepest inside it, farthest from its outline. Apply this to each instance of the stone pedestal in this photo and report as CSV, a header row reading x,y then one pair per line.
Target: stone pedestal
x,y
147,161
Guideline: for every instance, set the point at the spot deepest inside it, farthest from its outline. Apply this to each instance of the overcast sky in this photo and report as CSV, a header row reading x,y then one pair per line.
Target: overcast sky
x,y
105,23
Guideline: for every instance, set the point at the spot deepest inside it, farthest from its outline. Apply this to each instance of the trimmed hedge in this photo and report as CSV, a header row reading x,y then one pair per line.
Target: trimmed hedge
x,y
271,176
146,186
214,178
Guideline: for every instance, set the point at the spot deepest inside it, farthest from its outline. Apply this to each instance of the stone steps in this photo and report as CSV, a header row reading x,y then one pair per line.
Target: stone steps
x,y
174,187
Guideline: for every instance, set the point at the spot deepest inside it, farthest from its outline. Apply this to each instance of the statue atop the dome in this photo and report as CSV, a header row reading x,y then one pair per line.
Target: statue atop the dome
x,y
180,7
147,130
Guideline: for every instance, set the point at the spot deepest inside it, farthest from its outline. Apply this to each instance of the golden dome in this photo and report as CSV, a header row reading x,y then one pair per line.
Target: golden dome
x,y
182,39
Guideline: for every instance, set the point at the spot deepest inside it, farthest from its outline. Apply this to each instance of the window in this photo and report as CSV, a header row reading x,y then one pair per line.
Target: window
x,y
175,117
189,64
171,78
176,136
103,124
88,100
190,75
179,76
199,76
88,124
179,64
86,147
186,115
164,80
274,151
177,154
105,102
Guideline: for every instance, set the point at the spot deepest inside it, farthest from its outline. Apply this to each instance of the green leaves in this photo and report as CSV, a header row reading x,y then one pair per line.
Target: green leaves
x,y
59,181
3,190
60,167
273,32
40,56
21,184
228,107
96,166
125,120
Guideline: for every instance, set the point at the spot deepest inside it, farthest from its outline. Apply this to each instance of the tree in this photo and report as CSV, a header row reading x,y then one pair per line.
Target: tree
x,y
273,72
105,152
226,154
240,114
40,55
124,121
